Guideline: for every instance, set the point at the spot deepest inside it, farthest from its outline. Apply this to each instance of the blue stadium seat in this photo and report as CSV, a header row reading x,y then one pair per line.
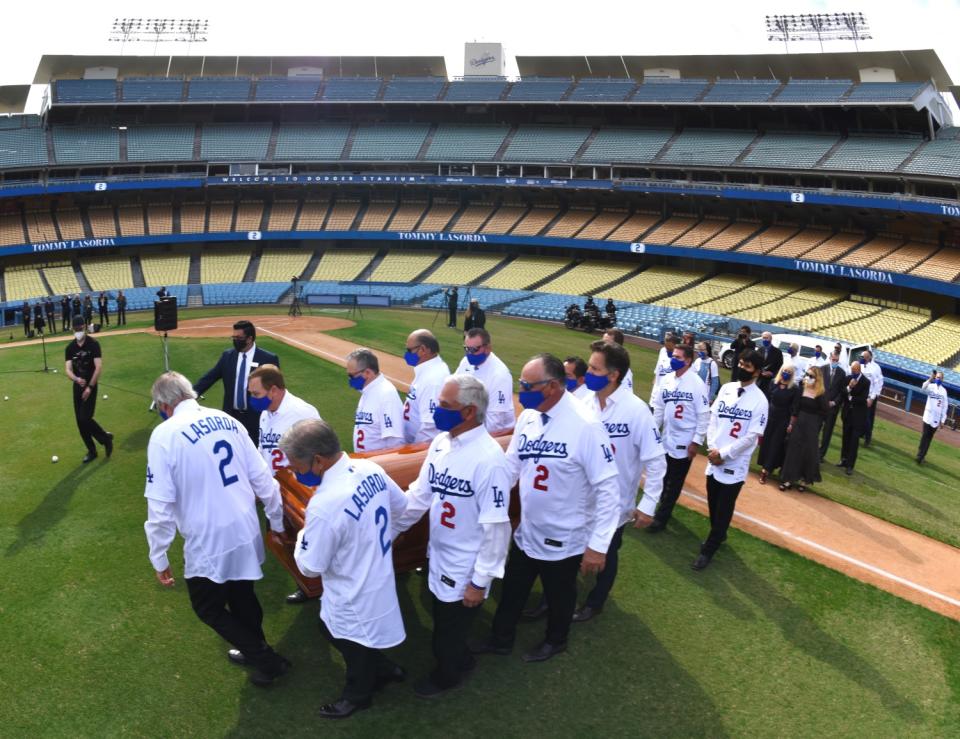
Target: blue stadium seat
x,y
602,90
813,91
546,143
287,88
455,142
77,144
885,91
235,141
655,89
539,89
215,89
152,89
625,145
160,143
469,90
388,141
85,91
312,141
351,88
22,147
414,88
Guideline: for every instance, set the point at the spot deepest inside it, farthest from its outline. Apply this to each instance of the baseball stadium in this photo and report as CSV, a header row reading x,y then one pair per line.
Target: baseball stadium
x,y
335,202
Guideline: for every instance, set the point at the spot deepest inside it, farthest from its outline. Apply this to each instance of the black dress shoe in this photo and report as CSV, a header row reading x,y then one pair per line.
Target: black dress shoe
x,y
656,527
395,674
701,562
537,612
842,463
849,471
341,709
298,596
543,652
90,457
427,688
585,614
488,647
108,445
262,679
236,656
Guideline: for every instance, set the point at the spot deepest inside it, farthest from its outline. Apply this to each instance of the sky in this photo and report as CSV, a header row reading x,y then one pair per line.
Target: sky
x,y
432,28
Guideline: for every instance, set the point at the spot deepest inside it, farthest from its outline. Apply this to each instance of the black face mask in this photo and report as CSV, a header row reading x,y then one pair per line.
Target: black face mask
x,y
240,344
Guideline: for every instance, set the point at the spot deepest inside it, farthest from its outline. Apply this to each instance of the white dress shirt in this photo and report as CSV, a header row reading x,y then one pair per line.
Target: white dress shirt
x,y
873,372
495,376
240,386
428,379
204,476
569,492
274,424
378,422
347,539
464,482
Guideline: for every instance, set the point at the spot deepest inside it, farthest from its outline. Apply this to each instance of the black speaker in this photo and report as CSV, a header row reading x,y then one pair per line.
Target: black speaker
x,y
165,314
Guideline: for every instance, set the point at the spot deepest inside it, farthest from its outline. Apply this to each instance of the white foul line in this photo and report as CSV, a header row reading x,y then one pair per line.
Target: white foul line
x,y
325,353
839,555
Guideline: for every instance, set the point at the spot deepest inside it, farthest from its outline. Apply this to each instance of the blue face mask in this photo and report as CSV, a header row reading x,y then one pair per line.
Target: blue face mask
x,y
786,376
834,365
163,416
766,342
677,364
702,355
446,419
571,385
854,375
938,381
531,398
817,355
411,358
595,382
258,404
309,479
864,360
791,352
475,360
356,382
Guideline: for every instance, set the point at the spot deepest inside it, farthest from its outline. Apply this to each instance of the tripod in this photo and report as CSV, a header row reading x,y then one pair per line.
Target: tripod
x,y
295,306
43,343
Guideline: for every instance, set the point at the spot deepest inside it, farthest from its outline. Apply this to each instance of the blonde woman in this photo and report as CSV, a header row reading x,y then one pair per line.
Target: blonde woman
x,y
783,396
802,462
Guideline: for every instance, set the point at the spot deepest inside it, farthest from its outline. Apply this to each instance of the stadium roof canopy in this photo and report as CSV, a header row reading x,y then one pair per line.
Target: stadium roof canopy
x,y
55,66
13,98
918,65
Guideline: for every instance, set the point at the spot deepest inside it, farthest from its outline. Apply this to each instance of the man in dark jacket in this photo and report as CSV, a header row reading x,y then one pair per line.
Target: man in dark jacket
x,y
26,314
854,415
234,368
835,385
38,322
103,303
65,312
51,315
742,343
475,317
772,362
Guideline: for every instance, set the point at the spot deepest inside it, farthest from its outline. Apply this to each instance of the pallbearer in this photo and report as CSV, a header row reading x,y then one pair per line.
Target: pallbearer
x,y
480,361
378,422
422,352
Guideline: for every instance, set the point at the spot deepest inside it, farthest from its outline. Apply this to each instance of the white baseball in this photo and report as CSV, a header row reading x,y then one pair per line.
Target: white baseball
x,y
54,372
54,459
105,396
6,397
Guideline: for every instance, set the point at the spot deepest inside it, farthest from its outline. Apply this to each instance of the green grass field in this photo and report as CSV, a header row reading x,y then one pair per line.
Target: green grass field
x,y
764,643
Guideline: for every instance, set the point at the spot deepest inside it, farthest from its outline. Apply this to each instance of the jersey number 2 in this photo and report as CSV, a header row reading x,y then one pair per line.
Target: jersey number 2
x,y
540,481
225,461
735,429
381,512
277,457
678,413
359,444
448,513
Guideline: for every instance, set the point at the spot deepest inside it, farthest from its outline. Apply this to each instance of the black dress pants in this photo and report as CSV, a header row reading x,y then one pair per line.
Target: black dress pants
x,y
104,317
721,500
826,433
852,432
121,316
233,611
925,438
677,470
559,579
83,410
365,667
606,577
871,417
451,627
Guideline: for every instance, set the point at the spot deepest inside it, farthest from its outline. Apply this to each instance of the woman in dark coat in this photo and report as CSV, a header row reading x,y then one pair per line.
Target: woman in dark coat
x,y
803,446
475,317
773,448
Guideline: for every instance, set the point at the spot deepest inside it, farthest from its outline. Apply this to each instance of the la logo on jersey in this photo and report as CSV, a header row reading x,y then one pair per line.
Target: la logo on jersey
x,y
444,484
733,411
540,448
363,418
501,398
412,393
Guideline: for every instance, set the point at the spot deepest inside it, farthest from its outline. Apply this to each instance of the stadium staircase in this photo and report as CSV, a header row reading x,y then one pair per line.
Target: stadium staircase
x,y
498,157
913,155
746,152
85,221
425,146
194,296
136,270
776,93
830,152
553,275
429,270
487,275
81,278
3,289
704,92
311,265
370,268
348,144
197,139
585,145
624,278
193,275
272,143
265,215
122,138
250,275
43,279
51,149
666,147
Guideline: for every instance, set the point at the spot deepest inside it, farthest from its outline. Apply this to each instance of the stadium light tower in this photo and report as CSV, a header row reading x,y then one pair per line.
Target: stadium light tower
x,y
188,30
848,26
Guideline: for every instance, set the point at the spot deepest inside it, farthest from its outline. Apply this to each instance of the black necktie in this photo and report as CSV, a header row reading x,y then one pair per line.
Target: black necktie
x,y
544,418
740,391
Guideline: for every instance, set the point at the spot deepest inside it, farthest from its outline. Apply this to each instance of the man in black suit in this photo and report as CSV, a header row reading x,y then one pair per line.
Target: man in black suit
x,y
453,298
854,415
234,370
772,362
51,314
742,343
835,385
65,312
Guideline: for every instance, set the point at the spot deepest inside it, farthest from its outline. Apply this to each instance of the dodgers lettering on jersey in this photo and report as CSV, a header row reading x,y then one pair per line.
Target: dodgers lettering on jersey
x,y
378,421
682,409
274,424
737,421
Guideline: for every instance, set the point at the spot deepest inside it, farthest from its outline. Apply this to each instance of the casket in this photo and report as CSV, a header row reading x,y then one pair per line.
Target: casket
x,y
409,548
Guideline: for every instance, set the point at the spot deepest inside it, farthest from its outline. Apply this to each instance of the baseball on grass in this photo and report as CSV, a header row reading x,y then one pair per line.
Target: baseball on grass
x,y
54,459
6,397
105,396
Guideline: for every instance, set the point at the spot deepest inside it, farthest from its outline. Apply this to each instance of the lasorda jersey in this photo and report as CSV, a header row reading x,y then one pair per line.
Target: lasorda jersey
x,y
378,422
347,538
467,482
681,409
274,424
495,376
428,379
569,496
737,422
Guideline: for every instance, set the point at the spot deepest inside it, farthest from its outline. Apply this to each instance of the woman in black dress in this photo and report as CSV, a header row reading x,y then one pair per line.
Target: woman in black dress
x,y
773,448
803,447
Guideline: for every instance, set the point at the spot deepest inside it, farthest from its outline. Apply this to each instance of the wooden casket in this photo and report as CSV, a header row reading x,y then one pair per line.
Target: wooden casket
x,y
409,548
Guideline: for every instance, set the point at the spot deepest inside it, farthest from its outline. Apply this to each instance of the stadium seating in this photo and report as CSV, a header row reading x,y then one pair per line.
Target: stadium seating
x,y
23,147
741,91
437,216
472,218
143,298
877,328
23,282
906,258
545,143
604,224
351,88
103,223
601,90
834,247
343,264
462,269
535,220
524,271
844,312
40,226
709,290
612,145
85,91
234,142
81,144
486,297
944,265
883,92
398,294
287,88
813,91
768,239
940,157
588,277
279,265
223,265
800,243
215,89
107,273
707,146
407,215
165,269
388,141
414,88
735,304
282,215
160,143
220,217
313,213
130,218
795,303
633,228
152,89
402,266
70,223
160,219
61,278
668,90
789,150
249,216
452,142
342,215
652,284
193,218
870,252
244,293
871,153
570,223
935,343
670,230
468,90
504,219
311,141
376,216
732,236
543,89
703,231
